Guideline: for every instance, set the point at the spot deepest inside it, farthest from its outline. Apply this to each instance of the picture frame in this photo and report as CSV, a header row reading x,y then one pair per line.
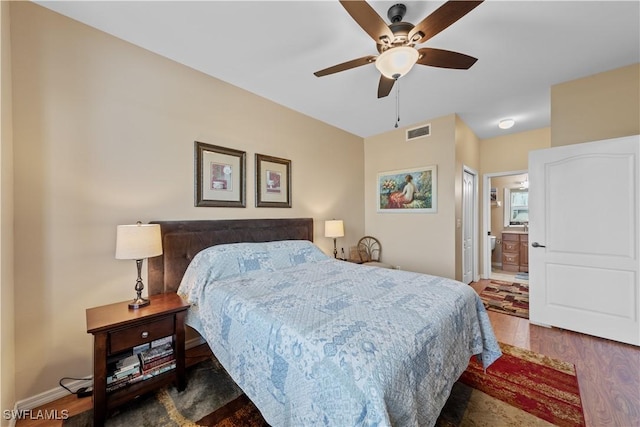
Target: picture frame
x,y
408,190
219,176
273,182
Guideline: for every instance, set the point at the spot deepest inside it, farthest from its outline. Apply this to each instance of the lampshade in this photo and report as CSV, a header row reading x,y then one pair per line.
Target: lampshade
x,y
138,241
396,62
334,228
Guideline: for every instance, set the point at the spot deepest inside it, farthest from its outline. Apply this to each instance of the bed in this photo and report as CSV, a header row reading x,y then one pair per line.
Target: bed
x,y
313,340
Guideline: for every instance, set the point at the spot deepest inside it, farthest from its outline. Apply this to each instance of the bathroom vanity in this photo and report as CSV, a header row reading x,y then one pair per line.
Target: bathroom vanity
x,y
515,251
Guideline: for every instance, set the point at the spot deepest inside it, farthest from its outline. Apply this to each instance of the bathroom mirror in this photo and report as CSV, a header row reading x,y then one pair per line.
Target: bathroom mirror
x,y
516,207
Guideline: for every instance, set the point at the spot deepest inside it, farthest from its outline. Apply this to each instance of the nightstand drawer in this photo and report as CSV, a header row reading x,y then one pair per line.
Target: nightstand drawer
x,y
125,339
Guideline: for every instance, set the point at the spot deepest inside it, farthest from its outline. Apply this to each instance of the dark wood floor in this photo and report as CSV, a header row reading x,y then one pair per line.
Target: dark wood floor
x,y
608,371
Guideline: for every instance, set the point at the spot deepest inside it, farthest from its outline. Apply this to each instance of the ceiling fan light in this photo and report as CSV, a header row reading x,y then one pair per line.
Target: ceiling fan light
x,y
396,62
506,123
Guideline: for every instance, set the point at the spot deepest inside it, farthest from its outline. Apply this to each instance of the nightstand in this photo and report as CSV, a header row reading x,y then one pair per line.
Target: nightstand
x,y
117,329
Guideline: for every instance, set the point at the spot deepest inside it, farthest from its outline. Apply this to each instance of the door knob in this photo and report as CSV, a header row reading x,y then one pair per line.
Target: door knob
x,y
537,245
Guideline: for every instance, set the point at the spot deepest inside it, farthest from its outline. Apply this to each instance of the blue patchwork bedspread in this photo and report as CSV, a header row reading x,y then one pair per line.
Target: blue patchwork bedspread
x,y
315,341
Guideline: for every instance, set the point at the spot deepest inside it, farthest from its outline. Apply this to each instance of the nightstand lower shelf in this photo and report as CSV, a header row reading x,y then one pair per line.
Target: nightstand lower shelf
x,y
115,328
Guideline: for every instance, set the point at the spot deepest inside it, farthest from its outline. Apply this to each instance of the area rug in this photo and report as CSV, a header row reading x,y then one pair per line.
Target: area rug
x,y
544,387
507,297
522,388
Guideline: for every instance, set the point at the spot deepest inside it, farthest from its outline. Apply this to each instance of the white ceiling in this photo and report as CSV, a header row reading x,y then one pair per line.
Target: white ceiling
x,y
272,48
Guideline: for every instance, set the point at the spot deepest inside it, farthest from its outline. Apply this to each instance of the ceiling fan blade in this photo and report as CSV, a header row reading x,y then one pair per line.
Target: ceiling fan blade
x,y
346,65
369,20
444,16
385,86
445,59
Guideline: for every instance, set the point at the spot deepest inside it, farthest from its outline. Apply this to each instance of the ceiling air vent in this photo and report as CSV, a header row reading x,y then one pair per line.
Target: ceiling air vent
x,y
419,132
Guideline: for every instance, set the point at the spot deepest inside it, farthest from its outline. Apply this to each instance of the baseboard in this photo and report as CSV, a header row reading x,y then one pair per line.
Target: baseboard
x,y
51,395
59,392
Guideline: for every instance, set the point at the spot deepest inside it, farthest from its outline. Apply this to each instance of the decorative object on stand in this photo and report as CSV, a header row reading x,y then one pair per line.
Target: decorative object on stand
x,y
137,242
334,228
369,250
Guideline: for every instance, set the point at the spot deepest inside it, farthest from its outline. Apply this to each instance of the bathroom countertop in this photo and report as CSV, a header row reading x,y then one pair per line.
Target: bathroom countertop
x,y
514,232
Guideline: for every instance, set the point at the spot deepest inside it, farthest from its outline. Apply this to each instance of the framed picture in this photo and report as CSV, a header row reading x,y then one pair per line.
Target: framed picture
x,y
273,182
219,176
408,191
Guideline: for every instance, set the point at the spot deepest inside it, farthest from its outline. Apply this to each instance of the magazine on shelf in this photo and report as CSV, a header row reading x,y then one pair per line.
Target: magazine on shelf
x,y
111,378
125,382
128,362
158,361
162,341
159,369
156,353
140,348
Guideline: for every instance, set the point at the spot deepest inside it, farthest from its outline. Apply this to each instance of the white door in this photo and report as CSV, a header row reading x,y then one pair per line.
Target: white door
x,y
468,226
584,267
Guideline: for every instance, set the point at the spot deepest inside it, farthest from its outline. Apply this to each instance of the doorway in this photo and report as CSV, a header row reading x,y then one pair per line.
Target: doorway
x,y
500,215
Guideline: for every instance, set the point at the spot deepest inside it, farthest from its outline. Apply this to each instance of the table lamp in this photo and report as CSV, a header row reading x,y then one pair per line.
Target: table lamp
x,y
334,228
137,242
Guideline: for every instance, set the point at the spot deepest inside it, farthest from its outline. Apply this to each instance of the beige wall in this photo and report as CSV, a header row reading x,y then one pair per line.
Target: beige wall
x,y
511,152
7,337
601,106
422,242
104,135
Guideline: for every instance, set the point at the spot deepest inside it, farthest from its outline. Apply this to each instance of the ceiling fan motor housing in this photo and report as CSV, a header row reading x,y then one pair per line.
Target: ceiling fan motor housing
x,y
398,27
396,12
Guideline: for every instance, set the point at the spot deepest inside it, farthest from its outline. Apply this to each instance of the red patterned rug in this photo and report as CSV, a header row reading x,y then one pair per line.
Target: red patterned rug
x,y
507,297
544,387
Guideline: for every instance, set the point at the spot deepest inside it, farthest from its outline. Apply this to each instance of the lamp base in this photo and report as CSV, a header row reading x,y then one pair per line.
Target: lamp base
x,y
138,303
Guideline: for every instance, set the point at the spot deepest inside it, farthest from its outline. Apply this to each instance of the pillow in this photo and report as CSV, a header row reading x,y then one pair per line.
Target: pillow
x,y
234,259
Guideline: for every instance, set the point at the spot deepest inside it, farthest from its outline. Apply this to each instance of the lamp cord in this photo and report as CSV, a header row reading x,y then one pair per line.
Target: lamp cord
x,y
397,102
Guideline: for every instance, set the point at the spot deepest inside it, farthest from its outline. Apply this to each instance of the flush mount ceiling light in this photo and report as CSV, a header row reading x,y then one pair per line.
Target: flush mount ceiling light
x,y
506,123
396,62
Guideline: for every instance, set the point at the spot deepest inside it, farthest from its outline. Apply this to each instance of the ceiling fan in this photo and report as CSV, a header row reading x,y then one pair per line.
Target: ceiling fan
x,y
396,42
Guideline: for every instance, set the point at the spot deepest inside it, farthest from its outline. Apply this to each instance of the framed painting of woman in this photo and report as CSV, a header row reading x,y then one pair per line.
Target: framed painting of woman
x,y
408,190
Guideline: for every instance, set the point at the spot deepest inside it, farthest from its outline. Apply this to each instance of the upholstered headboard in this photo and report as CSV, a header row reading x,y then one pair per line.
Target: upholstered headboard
x,y
182,240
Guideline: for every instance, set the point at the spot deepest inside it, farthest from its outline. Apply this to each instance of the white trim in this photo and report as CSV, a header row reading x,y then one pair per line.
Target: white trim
x,y
59,392
475,273
51,395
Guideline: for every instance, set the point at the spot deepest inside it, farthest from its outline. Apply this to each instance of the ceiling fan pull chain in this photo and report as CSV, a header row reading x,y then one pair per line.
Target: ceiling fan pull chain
x,y
397,102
